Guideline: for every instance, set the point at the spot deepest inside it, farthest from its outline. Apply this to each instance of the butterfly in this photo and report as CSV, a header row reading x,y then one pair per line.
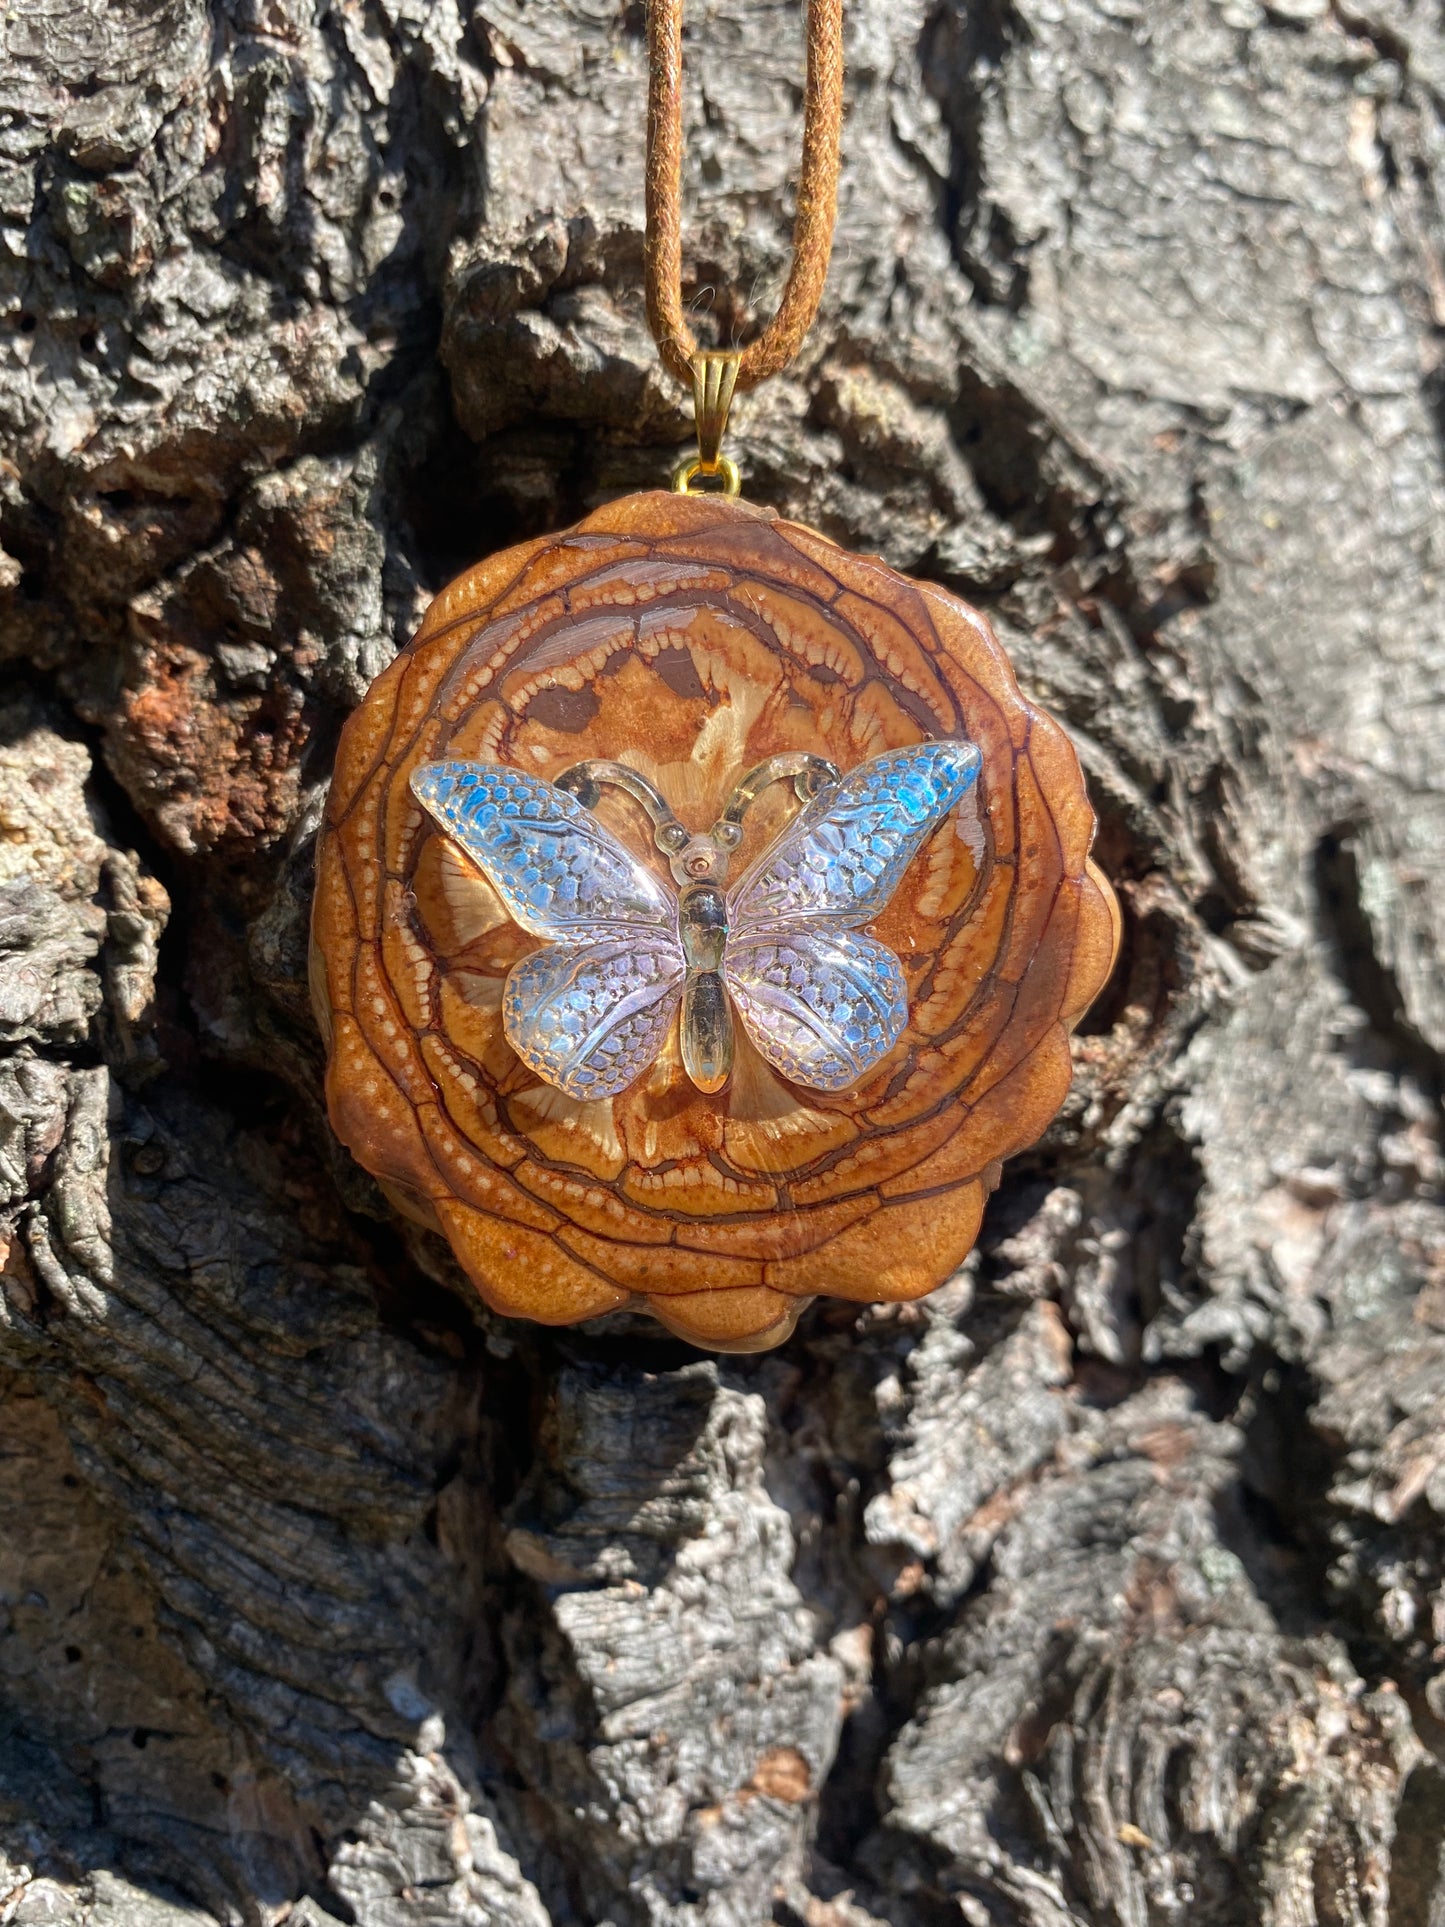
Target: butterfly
x,y
783,948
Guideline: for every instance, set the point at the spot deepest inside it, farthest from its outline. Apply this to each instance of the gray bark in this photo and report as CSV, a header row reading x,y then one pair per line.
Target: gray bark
x,y
1108,1585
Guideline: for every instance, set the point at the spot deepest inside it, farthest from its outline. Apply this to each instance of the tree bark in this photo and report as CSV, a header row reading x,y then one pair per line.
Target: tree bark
x,y
1108,1584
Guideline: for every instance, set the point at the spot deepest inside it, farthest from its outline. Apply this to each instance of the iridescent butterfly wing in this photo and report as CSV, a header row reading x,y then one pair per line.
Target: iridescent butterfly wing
x,y
592,1010
821,1001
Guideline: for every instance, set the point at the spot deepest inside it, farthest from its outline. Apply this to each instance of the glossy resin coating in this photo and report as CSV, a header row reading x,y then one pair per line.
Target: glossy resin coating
x,y
692,640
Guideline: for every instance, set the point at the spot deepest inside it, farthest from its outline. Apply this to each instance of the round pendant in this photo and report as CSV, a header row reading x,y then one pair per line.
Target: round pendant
x,y
701,915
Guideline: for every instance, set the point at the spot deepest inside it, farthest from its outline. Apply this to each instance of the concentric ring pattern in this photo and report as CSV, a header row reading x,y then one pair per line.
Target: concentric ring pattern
x,y
692,638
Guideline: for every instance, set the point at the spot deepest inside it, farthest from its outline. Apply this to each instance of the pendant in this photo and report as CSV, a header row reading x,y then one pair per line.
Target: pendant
x,y
701,916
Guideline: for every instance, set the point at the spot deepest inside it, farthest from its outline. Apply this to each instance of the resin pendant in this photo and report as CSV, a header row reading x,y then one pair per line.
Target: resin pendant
x,y
701,916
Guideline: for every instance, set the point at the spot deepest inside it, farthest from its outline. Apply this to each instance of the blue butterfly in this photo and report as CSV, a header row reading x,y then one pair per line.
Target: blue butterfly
x,y
783,948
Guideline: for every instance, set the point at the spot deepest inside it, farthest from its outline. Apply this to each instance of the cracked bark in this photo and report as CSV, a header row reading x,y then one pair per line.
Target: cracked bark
x,y
1108,1585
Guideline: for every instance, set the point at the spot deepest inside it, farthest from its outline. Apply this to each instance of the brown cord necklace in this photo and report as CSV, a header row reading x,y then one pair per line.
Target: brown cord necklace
x,y
714,374
702,912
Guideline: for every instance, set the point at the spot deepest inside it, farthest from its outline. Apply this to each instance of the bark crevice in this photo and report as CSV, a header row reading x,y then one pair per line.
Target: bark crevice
x,y
1105,1586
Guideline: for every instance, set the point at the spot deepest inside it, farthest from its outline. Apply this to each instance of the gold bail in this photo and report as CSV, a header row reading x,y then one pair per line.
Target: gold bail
x,y
714,376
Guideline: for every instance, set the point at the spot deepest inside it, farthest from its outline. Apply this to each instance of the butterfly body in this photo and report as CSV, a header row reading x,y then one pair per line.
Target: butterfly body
x,y
783,949
707,1023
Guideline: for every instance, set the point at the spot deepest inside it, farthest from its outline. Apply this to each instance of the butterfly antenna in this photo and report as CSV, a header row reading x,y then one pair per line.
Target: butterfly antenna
x,y
810,775
585,780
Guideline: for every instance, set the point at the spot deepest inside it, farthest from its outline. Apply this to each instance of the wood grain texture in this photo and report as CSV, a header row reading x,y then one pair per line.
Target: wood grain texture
x,y
1104,1586
692,638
